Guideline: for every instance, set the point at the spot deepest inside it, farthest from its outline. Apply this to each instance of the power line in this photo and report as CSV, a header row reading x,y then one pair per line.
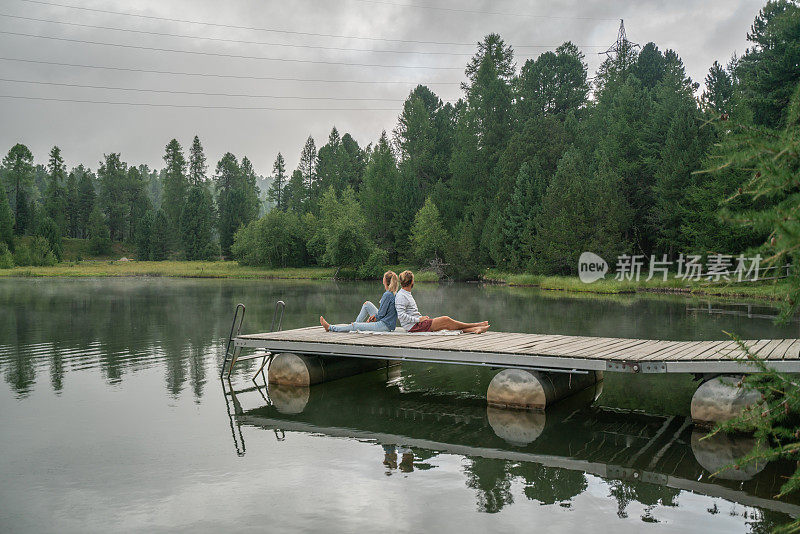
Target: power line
x,y
200,93
219,54
186,106
255,28
225,76
263,43
478,12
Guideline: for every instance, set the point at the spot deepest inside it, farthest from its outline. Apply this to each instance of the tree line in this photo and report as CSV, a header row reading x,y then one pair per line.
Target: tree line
x,y
531,167
534,165
178,211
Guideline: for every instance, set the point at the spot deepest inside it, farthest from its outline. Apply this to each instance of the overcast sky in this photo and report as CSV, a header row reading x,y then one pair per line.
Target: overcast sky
x,y
393,33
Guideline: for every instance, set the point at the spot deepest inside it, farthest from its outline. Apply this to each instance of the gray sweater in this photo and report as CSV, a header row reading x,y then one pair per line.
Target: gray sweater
x,y
407,313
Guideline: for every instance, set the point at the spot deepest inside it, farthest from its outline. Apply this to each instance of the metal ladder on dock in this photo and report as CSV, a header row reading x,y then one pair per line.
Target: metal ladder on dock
x,y
236,328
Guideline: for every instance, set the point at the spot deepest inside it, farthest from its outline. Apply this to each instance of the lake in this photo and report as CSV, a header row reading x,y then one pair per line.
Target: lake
x,y
114,419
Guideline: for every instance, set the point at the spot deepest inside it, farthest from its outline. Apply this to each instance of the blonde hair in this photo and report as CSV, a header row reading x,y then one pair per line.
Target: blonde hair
x,y
406,278
390,279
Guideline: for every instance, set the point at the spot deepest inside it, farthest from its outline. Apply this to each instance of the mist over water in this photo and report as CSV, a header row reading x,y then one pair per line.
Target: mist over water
x,y
114,418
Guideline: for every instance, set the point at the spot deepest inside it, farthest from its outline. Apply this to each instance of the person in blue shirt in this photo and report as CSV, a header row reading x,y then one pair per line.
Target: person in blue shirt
x,y
382,318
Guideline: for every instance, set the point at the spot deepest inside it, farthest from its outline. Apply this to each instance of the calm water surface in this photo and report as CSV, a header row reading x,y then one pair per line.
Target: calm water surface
x,y
113,419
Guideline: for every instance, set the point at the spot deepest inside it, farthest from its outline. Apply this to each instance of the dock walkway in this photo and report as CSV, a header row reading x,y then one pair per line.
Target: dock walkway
x,y
535,351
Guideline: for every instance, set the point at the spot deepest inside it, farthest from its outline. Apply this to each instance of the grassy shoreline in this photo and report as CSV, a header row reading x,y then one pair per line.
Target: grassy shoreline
x,y
774,290
766,290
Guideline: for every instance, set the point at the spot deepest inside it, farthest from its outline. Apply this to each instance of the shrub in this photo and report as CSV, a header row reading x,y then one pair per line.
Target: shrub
x,y
429,239
49,230
35,253
375,265
6,260
275,240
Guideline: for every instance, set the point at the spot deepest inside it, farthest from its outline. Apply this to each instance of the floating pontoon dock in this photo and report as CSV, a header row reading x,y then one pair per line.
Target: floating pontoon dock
x,y
553,353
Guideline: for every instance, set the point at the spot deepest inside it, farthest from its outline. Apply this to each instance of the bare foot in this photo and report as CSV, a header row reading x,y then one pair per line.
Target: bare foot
x,y
324,323
476,329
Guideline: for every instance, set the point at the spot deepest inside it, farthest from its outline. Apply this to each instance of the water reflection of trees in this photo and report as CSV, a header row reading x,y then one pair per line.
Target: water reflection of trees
x,y
492,479
117,326
125,325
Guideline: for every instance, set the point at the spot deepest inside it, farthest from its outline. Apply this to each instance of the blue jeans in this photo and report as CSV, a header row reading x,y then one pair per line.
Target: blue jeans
x,y
360,323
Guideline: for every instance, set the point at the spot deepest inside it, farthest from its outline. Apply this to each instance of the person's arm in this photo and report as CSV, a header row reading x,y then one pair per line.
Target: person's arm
x,y
383,309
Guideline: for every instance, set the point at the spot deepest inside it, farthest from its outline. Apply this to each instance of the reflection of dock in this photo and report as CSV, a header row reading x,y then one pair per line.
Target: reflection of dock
x,y
595,468
622,447
534,351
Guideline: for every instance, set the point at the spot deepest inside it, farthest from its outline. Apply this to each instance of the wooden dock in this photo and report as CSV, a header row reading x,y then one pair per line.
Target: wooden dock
x,y
535,351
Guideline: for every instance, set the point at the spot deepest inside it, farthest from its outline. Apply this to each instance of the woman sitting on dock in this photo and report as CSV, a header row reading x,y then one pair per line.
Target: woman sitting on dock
x,y
412,321
381,319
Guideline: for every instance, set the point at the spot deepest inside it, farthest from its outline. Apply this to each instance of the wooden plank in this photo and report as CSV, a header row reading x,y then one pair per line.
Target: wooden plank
x,y
648,350
540,344
678,349
667,351
587,346
697,349
475,342
793,352
714,352
780,351
770,348
759,346
546,345
616,351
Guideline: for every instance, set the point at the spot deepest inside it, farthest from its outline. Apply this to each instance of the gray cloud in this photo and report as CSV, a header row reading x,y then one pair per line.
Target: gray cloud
x,y
700,32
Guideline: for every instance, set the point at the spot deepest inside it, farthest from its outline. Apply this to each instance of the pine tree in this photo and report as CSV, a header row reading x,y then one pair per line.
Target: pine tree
x,y
248,183
275,193
175,183
72,199
308,168
86,202
582,210
232,200
159,237
197,163
144,230
112,177
329,166
25,219
768,70
719,90
552,84
295,193
56,195
378,192
770,159
681,155
6,220
517,227
197,225
353,163
18,164
99,234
